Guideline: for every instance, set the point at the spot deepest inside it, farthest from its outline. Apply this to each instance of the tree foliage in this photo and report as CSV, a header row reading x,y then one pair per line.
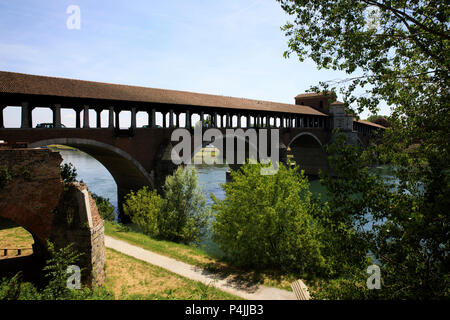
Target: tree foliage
x,y
181,215
399,51
105,207
68,173
186,215
265,221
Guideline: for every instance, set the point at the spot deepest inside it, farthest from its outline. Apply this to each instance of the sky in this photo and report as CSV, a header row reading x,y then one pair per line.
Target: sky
x,y
224,47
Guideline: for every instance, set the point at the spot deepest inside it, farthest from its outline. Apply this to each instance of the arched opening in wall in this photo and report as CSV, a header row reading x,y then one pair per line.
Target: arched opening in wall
x,y
142,119
12,117
90,171
159,119
306,151
104,118
182,120
42,117
234,121
125,119
68,117
16,252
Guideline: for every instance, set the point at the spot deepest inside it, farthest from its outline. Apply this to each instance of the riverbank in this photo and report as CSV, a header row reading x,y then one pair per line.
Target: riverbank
x,y
200,258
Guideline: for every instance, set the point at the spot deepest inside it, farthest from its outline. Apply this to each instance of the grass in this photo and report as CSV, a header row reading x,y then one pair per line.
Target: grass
x,y
14,237
130,278
126,277
197,257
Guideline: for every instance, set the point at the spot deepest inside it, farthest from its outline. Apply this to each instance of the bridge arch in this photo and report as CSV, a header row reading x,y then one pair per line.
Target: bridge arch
x,y
127,172
309,153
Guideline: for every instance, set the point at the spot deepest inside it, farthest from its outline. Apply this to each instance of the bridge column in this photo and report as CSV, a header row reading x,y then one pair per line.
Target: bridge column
x,y
133,118
152,119
111,117
188,119
86,116
57,115
202,117
239,120
2,125
26,116
99,120
171,118
77,118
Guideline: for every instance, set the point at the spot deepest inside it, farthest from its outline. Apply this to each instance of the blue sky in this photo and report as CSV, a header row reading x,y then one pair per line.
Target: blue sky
x,y
226,47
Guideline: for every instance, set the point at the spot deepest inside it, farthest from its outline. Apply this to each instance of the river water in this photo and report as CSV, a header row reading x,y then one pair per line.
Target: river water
x,y
100,181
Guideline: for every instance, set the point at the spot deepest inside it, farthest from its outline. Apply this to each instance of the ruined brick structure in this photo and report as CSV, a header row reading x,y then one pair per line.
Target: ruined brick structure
x,y
33,195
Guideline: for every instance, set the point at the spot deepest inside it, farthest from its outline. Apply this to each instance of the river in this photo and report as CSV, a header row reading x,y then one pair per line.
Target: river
x,y
100,182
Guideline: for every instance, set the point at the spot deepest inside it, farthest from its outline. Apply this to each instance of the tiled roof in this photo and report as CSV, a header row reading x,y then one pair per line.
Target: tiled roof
x,y
19,83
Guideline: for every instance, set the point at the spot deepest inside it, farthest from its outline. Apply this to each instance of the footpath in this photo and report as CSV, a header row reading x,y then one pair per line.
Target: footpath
x,y
240,289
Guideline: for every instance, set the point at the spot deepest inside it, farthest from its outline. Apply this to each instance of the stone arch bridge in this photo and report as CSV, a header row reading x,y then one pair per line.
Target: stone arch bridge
x,y
139,156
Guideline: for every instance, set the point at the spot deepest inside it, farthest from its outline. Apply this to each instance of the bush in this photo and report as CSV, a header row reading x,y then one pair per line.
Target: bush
x,y
105,207
181,216
56,289
68,173
145,209
264,221
185,216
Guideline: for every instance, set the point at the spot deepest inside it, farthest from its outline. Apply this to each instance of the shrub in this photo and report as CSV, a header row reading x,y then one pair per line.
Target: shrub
x,y
181,216
68,173
185,216
264,221
144,208
105,207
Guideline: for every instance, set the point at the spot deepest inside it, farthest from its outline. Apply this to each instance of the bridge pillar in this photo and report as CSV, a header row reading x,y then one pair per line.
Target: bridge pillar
x,y
171,118
57,115
99,120
117,119
133,118
188,119
239,120
86,116
77,118
26,116
1,116
152,119
111,117
202,118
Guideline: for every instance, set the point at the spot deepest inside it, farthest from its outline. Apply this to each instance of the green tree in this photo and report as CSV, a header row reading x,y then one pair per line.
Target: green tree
x,y
105,207
145,208
399,51
185,216
68,173
265,221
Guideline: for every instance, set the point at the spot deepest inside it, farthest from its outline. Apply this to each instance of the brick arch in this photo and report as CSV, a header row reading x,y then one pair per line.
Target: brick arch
x,y
127,172
309,153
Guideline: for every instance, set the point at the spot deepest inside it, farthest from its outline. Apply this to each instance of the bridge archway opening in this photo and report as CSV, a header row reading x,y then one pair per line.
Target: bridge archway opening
x,y
142,119
127,173
307,151
41,115
20,250
68,117
12,116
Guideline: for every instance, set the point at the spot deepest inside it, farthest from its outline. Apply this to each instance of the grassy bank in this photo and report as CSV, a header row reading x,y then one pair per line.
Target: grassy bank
x,y
126,277
197,257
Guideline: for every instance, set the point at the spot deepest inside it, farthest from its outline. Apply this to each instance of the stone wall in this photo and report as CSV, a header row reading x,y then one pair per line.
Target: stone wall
x,y
35,197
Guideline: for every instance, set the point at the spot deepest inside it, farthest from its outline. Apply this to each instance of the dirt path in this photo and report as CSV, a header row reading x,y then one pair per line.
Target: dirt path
x,y
243,290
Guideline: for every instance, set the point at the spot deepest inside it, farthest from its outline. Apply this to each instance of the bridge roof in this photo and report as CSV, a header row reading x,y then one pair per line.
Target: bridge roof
x,y
26,84
369,123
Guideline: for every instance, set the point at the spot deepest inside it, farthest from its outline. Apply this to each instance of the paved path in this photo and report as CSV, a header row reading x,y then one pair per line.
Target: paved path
x,y
243,290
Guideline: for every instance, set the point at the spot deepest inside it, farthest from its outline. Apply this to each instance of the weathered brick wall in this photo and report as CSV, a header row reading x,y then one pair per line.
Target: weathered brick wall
x,y
36,198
